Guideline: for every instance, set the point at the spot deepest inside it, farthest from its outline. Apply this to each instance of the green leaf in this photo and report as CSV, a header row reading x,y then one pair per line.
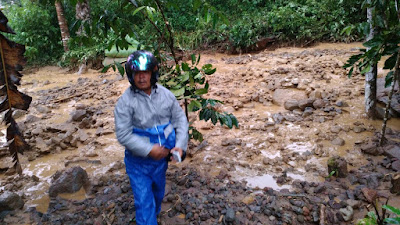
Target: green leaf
x,y
198,60
366,69
392,220
197,135
201,91
214,117
121,69
372,215
389,79
196,4
184,77
171,83
350,72
374,42
193,56
105,68
178,92
194,105
392,209
390,62
234,121
185,67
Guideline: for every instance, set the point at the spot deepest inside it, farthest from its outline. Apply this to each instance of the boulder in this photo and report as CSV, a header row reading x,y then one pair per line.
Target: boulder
x,y
392,151
10,201
280,96
291,104
339,165
319,103
69,181
78,115
338,141
304,103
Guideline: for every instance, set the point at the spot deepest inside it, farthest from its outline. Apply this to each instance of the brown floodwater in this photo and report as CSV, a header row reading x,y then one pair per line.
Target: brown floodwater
x,y
291,137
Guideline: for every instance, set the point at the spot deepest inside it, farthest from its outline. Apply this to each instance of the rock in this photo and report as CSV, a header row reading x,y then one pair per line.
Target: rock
x,y
280,96
248,199
336,129
338,141
392,151
316,94
369,194
319,103
10,201
371,148
18,113
291,104
339,165
347,213
31,119
358,129
308,111
78,115
278,118
395,181
116,166
341,104
230,215
234,141
42,109
353,203
81,135
304,103
69,181
396,166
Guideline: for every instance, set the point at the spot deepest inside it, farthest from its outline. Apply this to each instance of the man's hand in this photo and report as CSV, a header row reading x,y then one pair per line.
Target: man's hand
x,y
176,150
158,152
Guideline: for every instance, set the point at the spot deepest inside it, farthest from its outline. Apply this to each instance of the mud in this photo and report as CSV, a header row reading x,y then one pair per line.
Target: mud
x,y
270,170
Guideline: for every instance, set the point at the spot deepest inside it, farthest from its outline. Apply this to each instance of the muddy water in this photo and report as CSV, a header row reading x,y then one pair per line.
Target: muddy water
x,y
246,159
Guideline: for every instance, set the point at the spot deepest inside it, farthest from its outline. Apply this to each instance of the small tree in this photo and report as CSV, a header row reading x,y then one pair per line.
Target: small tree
x,y
386,42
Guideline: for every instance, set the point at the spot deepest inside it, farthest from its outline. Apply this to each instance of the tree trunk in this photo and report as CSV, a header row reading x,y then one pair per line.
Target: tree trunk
x,y
82,12
63,25
371,76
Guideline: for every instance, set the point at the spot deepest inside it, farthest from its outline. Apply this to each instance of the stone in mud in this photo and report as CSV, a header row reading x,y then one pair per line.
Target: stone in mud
x,y
358,129
347,213
339,165
278,118
234,141
280,96
308,111
336,129
18,113
42,109
230,215
304,103
248,199
395,181
341,104
291,104
78,115
69,181
31,119
396,165
371,148
392,151
319,103
10,201
338,141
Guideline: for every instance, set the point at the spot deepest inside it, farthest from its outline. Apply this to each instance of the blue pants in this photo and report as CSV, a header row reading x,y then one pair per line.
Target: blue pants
x,y
147,178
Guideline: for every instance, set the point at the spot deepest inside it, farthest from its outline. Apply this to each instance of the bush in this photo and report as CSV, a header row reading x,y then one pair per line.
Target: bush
x,y
36,27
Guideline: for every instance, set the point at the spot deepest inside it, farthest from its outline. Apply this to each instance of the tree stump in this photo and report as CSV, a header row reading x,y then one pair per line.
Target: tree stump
x,y
339,165
395,189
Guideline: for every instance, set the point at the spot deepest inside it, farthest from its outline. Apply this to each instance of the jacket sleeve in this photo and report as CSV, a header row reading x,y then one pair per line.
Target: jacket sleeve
x,y
123,114
181,125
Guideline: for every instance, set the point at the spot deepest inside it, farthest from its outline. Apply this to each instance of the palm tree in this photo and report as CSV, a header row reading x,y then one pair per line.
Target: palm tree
x,y
63,24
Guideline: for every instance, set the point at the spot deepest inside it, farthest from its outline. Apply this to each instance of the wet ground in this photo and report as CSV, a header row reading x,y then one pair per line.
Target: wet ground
x,y
273,154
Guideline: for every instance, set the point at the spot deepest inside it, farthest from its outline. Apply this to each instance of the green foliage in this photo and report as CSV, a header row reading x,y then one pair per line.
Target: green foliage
x,y
189,82
384,44
36,27
373,219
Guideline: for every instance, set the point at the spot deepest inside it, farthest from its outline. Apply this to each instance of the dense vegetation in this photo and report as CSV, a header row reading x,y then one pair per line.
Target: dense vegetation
x,y
234,25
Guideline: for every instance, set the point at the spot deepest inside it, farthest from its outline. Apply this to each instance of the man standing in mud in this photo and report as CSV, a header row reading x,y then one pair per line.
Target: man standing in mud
x,y
151,125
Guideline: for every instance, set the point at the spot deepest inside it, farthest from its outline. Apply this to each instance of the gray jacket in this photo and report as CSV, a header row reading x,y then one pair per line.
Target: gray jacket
x,y
139,110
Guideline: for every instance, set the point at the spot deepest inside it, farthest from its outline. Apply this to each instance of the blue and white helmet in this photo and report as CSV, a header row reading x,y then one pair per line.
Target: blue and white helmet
x,y
141,60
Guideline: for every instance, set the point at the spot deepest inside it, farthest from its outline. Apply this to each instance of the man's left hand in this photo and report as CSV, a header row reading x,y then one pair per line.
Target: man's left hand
x,y
176,150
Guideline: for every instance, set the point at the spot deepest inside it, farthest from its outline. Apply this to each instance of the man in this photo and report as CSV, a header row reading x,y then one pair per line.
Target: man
x,y
150,123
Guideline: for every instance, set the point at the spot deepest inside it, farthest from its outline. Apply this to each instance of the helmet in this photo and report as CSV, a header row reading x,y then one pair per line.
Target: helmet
x,y
141,60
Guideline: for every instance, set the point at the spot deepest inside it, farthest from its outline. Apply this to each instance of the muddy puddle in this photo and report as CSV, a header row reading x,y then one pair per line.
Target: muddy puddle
x,y
257,153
